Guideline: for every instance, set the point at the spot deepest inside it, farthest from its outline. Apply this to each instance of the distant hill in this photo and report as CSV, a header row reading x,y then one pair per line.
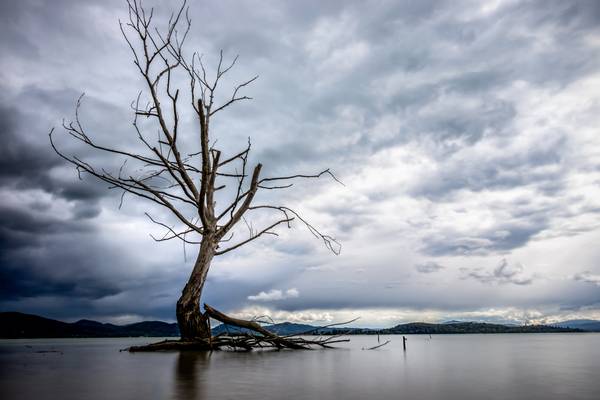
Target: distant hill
x,y
588,325
470,327
286,328
19,325
289,328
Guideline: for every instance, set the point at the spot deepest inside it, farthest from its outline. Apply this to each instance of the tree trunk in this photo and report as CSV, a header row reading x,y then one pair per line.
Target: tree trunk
x,y
193,324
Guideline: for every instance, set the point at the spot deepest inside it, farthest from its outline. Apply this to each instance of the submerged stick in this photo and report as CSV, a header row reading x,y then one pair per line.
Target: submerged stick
x,y
378,346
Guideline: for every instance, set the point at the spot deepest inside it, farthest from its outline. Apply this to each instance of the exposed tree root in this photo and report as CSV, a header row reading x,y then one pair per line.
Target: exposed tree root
x,y
242,341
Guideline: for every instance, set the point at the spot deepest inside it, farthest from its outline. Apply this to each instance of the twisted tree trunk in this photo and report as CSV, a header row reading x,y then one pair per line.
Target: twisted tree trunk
x,y
193,324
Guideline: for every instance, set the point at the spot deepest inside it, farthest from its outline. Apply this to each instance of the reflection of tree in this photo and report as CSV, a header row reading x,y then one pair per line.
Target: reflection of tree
x,y
188,384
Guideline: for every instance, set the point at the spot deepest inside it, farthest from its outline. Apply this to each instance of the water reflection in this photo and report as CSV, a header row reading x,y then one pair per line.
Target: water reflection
x,y
189,374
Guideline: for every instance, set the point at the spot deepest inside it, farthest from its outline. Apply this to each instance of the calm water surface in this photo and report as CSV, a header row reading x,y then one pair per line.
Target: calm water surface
x,y
514,366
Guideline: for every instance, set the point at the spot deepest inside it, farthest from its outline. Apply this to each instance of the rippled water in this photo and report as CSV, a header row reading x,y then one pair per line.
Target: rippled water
x,y
513,366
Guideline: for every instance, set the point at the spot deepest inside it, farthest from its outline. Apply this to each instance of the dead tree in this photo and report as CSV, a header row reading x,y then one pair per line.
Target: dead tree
x,y
186,181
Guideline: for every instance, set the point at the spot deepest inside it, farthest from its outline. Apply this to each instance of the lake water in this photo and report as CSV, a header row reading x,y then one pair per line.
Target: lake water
x,y
502,366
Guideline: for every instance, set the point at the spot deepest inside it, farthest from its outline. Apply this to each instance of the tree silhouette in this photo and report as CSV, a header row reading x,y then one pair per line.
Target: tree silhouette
x,y
186,181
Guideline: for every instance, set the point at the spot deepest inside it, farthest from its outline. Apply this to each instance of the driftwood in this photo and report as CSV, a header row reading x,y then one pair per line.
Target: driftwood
x,y
261,338
378,346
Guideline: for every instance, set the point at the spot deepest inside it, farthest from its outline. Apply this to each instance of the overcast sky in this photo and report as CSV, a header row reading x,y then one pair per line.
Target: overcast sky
x,y
465,133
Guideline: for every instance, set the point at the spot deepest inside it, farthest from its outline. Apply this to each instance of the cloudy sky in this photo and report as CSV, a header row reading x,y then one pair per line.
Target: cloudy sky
x,y
465,133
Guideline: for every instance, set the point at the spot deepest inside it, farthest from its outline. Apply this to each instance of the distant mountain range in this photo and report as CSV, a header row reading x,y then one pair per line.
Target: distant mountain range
x,y
289,328
589,325
19,325
471,327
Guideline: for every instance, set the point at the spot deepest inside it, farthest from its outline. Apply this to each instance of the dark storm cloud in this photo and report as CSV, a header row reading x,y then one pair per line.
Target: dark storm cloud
x,y
502,238
503,170
19,282
61,262
52,258
428,267
21,159
14,38
26,158
503,273
25,22
587,277
49,242
574,16
25,222
523,220
38,248
493,56
341,83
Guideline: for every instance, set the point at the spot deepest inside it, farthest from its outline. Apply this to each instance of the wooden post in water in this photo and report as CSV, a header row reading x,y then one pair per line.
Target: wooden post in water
x,y
404,342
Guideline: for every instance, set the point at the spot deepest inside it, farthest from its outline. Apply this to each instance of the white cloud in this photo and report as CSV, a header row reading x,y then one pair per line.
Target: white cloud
x,y
388,317
275,294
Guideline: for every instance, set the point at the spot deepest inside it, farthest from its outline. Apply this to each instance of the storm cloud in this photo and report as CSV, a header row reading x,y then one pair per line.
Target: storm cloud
x,y
464,132
503,273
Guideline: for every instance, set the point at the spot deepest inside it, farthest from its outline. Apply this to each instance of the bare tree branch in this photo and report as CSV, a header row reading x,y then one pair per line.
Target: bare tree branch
x,y
234,97
324,172
173,234
329,242
254,236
